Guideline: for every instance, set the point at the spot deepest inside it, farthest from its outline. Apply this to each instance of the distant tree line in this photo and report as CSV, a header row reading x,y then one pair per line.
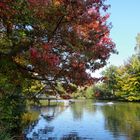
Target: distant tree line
x,y
123,82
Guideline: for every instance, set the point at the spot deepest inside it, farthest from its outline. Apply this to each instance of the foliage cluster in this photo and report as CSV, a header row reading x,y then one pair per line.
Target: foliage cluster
x,y
83,93
123,82
50,41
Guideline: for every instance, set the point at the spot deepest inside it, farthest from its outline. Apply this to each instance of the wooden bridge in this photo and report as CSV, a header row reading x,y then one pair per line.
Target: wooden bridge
x,y
41,95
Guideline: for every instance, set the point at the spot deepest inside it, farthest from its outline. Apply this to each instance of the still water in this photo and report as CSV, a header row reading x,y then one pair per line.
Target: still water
x,y
87,120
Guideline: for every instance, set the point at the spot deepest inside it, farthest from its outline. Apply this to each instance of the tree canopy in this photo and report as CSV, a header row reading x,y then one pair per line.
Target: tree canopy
x,y
46,42
54,40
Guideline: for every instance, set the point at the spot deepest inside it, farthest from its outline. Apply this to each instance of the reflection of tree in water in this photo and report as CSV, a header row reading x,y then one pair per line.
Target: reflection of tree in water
x,y
42,134
73,136
123,118
78,108
52,110
48,114
89,107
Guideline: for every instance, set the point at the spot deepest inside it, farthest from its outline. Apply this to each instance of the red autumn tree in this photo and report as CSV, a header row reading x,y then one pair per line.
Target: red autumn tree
x,y
51,41
56,40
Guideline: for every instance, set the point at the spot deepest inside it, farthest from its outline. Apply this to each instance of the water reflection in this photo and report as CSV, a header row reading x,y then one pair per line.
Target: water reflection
x,y
123,118
74,136
88,120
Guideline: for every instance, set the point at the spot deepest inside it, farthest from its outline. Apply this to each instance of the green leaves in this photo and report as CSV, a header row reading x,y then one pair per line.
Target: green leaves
x,y
5,135
124,80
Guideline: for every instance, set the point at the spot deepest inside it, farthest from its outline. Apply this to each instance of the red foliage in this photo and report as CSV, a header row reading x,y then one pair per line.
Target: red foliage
x,y
67,36
65,97
97,94
34,53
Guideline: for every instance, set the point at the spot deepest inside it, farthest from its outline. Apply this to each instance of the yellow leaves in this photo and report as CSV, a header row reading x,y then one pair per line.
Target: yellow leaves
x,y
133,98
128,80
57,2
19,59
129,83
29,117
35,87
5,43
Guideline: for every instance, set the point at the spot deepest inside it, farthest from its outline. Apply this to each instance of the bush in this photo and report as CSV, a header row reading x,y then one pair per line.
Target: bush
x,y
4,135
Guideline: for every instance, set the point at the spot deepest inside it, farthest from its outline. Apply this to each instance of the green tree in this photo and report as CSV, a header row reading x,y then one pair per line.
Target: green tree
x,y
108,87
129,80
123,82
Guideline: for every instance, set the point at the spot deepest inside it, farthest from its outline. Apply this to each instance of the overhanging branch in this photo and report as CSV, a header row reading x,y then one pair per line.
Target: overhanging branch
x,y
55,29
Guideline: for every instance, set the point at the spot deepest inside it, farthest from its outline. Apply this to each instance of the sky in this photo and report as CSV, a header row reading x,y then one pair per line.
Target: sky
x,y
125,18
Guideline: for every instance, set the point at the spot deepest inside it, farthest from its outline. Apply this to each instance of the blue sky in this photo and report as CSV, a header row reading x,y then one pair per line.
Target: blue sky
x,y
125,18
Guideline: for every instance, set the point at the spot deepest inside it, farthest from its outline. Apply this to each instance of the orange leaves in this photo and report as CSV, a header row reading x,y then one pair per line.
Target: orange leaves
x,y
77,64
93,25
58,2
46,47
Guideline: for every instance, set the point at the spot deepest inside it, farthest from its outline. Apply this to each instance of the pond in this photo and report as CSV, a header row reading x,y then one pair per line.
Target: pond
x,y
87,120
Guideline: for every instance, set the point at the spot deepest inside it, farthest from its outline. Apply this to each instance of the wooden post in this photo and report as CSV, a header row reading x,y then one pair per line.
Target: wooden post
x,y
49,100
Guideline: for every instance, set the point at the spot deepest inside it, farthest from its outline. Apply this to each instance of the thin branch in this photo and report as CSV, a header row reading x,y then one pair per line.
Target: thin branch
x,y
55,29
